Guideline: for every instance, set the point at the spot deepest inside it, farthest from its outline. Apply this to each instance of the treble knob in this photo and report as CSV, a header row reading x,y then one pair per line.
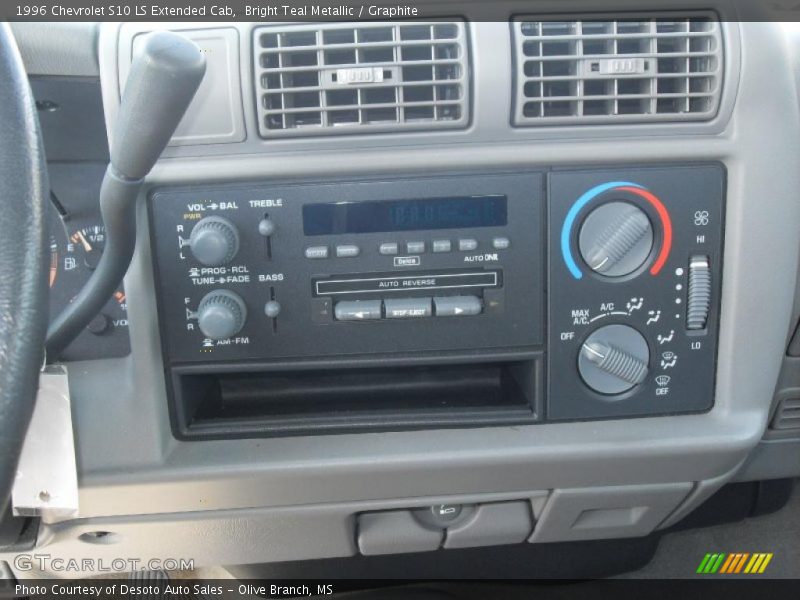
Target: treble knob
x,y
616,239
214,241
614,359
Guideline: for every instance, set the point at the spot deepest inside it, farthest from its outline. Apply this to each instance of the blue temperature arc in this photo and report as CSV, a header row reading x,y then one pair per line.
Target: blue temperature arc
x,y
572,215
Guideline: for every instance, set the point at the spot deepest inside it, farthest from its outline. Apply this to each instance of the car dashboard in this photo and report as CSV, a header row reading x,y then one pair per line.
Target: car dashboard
x,y
413,286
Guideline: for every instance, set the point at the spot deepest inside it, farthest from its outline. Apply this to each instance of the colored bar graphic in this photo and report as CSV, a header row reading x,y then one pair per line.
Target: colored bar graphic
x,y
727,564
734,558
704,563
718,563
735,563
713,564
755,561
740,563
764,564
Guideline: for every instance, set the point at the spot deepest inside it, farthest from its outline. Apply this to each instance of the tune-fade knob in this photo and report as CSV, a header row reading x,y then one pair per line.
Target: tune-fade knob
x,y
616,239
214,241
221,314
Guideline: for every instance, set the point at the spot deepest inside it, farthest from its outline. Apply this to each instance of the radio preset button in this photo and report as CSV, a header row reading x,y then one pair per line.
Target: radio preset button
x,y
467,244
317,252
501,243
415,247
347,251
357,310
457,306
442,246
388,248
407,308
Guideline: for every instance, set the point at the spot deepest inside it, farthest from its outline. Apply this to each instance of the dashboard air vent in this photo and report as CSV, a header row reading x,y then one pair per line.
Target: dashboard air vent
x,y
339,78
613,71
788,415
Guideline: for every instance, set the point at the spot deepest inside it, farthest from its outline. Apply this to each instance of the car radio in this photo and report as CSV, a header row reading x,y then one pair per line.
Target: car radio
x,y
606,280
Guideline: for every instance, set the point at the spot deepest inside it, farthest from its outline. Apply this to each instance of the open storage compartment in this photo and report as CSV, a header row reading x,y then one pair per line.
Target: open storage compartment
x,y
330,400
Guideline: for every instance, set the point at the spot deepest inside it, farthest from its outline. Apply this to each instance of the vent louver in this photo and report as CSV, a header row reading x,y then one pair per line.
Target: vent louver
x,y
612,71
339,78
788,415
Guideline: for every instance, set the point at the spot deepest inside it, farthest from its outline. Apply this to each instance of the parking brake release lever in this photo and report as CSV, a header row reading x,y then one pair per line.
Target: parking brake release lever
x,y
162,81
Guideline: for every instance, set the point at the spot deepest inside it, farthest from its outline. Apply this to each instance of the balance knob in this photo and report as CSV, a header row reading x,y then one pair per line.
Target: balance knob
x,y
221,314
616,239
614,359
214,241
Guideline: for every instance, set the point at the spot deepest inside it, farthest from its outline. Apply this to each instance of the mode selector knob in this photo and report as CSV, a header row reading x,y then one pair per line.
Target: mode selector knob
x,y
616,239
214,241
221,314
614,359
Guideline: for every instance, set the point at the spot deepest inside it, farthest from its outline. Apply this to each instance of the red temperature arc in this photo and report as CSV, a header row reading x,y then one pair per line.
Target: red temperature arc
x,y
666,224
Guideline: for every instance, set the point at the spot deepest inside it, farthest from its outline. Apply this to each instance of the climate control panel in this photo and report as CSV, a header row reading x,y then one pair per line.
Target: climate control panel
x,y
607,281
635,273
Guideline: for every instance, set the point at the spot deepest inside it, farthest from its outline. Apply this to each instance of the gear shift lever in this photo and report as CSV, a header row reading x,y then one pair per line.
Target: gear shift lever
x,y
163,79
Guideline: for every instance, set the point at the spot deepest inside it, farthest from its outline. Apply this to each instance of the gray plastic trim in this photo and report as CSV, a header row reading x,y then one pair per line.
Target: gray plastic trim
x,y
163,493
602,513
701,492
245,536
772,459
58,48
215,115
394,532
231,474
492,89
650,71
396,81
492,524
787,388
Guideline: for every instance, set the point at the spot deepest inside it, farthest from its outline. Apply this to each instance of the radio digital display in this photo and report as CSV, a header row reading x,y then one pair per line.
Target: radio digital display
x,y
379,216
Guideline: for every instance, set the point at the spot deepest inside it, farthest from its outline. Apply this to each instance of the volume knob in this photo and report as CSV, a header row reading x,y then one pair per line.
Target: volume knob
x,y
616,239
221,314
214,241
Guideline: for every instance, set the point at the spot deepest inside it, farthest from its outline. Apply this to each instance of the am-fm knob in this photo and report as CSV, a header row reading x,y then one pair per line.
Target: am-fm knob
x,y
221,314
214,241
616,239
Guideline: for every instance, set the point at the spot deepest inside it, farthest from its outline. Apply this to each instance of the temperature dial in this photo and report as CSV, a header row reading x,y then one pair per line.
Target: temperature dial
x,y
614,359
616,239
214,241
221,314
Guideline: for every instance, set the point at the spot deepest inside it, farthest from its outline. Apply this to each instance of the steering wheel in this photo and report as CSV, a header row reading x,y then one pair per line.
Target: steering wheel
x,y
23,267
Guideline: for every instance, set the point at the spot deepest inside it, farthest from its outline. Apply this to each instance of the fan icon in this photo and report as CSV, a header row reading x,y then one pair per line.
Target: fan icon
x,y
701,217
